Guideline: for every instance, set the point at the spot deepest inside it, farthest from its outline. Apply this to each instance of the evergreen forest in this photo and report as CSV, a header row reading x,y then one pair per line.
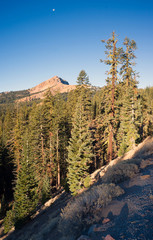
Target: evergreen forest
x,y
59,141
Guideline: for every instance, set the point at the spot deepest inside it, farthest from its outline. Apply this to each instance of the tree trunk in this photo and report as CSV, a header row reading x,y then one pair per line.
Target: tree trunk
x,y
42,151
110,142
50,167
58,162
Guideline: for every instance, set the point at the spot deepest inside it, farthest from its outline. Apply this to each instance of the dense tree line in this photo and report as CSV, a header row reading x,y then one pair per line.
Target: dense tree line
x,y
60,141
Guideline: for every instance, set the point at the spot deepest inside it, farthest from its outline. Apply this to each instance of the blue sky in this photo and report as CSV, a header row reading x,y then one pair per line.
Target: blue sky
x,y
37,43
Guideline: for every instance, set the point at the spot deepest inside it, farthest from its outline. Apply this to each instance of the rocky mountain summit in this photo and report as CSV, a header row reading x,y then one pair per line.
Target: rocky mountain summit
x,y
54,84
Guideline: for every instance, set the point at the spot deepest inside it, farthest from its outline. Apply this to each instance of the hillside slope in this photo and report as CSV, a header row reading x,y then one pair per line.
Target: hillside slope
x,y
129,210
130,216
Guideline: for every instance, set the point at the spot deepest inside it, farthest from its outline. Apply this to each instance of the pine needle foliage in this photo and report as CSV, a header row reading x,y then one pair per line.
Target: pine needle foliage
x,y
112,60
83,78
79,150
127,58
130,109
25,196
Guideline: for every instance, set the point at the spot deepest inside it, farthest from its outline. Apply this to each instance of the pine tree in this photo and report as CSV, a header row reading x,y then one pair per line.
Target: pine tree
x,y
61,133
83,79
73,96
83,89
127,60
128,132
20,125
147,110
130,107
100,129
113,54
47,140
38,150
6,160
57,127
79,150
8,124
25,195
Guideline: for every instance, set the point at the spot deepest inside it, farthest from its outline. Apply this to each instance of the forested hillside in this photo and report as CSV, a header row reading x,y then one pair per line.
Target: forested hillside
x,y
10,97
61,141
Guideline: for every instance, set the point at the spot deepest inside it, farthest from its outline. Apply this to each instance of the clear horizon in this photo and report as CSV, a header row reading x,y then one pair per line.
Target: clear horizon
x,y
48,38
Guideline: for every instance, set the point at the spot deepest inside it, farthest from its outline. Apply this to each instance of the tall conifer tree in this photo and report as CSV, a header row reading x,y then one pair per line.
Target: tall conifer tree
x,y
38,151
79,150
128,131
127,61
25,195
83,79
112,60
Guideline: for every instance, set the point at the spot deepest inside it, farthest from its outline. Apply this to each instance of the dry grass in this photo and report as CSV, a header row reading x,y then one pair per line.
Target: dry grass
x,y
79,213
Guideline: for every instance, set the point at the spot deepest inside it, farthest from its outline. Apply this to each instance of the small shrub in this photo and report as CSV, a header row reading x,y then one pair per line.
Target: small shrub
x,y
79,212
8,221
120,172
136,161
87,181
123,149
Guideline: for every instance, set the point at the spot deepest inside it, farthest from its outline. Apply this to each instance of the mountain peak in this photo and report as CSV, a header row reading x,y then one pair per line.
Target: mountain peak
x,y
58,79
54,84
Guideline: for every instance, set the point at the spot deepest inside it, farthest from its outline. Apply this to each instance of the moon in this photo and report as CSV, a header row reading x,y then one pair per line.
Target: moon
x,y
53,9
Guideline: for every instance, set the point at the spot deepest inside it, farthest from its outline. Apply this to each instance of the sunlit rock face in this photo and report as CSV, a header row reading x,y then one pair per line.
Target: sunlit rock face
x,y
54,84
